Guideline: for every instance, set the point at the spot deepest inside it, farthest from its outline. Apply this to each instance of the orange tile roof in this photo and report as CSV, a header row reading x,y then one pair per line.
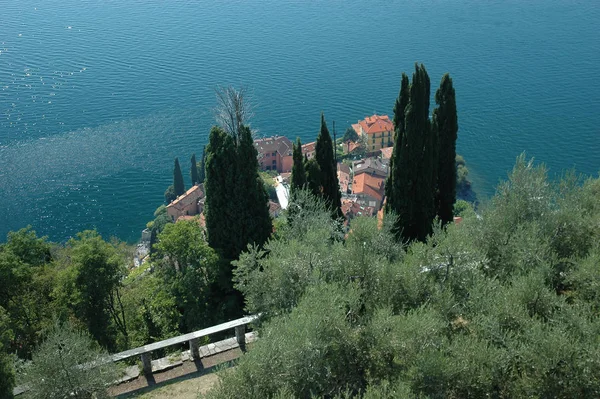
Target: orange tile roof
x,y
309,147
185,198
375,124
351,209
369,185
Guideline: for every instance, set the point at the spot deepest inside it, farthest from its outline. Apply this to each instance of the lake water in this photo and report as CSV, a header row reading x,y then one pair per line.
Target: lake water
x,y
98,97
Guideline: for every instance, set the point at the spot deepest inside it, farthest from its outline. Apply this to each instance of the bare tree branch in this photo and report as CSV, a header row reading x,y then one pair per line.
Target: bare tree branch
x,y
233,109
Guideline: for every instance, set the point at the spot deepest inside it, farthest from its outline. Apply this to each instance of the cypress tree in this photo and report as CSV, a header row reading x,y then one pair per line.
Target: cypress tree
x,y
392,189
221,221
194,170
178,179
445,121
200,166
330,188
411,196
298,173
313,176
236,205
399,109
251,204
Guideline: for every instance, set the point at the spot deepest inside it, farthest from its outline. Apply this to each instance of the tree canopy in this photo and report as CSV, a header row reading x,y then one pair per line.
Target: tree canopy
x,y
501,305
446,124
330,188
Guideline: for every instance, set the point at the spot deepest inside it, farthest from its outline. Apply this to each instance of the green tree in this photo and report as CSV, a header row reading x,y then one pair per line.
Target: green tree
x,y
236,208
350,134
446,122
330,188
194,170
26,283
399,110
178,184
298,173
7,374
170,195
191,270
412,194
98,269
252,199
200,166
221,221
393,189
69,364
313,176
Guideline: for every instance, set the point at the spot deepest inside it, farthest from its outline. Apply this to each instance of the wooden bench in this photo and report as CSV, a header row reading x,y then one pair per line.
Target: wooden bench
x,y
145,352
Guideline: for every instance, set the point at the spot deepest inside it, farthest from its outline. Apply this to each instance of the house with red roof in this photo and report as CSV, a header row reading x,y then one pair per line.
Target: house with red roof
x,y
343,175
275,153
377,132
309,149
189,203
352,209
369,190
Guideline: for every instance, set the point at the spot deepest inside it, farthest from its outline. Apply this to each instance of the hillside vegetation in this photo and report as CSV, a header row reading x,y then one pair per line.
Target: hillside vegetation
x,y
503,305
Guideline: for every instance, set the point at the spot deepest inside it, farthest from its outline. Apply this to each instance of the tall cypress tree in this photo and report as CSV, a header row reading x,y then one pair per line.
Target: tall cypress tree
x,y
445,121
391,185
236,205
313,176
251,202
194,170
298,173
200,166
219,187
178,185
329,180
399,109
411,198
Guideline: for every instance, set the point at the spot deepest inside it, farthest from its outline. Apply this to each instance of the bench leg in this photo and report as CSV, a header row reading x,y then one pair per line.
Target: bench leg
x,y
194,351
147,363
240,336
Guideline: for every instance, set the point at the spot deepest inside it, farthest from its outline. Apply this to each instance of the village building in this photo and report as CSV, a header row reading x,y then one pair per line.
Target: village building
x,y
275,153
349,146
377,132
371,166
369,190
343,175
188,204
308,149
386,153
352,209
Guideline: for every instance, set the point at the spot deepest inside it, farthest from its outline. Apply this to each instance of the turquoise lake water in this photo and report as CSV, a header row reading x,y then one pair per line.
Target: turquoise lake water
x,y
98,97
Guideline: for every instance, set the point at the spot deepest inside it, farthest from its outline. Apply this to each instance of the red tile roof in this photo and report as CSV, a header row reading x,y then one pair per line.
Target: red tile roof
x,y
375,124
373,186
191,195
309,147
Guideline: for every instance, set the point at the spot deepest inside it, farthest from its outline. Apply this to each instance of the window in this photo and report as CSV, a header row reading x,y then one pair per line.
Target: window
x,y
274,162
274,154
268,155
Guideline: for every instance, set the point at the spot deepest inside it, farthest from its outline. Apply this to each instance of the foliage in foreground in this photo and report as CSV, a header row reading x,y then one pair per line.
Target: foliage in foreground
x,y
503,305
61,367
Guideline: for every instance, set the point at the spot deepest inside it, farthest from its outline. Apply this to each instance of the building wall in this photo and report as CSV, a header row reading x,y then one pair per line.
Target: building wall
x,y
287,162
376,141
